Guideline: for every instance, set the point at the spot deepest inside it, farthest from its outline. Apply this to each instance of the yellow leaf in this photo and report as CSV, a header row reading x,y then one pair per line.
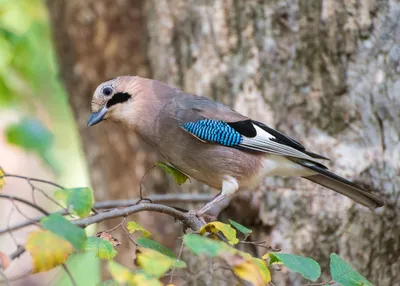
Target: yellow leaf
x,y
155,263
247,267
133,226
216,226
263,268
144,280
120,274
2,181
249,271
265,256
47,250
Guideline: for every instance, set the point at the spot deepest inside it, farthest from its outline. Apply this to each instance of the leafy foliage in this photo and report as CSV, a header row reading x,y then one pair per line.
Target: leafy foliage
x,y
33,136
135,227
202,245
102,247
179,177
120,274
307,267
123,276
217,227
57,224
47,250
155,263
343,273
246,231
151,244
78,200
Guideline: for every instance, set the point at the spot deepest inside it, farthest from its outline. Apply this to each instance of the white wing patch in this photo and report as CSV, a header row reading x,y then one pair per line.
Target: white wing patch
x,y
263,142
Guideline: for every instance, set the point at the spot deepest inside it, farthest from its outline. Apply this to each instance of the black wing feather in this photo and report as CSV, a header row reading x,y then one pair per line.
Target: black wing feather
x,y
285,140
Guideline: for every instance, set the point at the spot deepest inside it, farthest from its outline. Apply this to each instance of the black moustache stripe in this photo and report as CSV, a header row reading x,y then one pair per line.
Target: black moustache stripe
x,y
119,97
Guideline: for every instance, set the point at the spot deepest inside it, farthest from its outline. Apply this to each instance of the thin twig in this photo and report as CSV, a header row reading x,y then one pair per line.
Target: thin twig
x,y
128,234
33,179
21,213
173,269
28,203
8,227
17,253
69,274
44,194
261,244
141,184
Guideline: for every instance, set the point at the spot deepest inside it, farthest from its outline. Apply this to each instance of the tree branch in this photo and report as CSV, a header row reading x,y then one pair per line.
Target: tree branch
x,y
161,199
190,220
28,203
33,179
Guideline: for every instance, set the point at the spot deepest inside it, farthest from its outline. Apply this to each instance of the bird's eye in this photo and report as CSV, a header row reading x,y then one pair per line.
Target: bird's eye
x,y
107,91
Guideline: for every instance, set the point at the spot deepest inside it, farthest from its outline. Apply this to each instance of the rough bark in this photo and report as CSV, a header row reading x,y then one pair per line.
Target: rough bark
x,y
326,73
96,40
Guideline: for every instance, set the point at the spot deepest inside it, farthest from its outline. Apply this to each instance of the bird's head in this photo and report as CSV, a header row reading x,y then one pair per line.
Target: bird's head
x,y
113,99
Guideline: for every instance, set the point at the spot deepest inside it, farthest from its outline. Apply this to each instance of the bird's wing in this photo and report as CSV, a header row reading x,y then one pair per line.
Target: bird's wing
x,y
213,122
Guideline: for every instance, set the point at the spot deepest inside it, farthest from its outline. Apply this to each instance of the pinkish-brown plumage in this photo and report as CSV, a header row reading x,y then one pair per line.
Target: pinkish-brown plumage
x,y
158,113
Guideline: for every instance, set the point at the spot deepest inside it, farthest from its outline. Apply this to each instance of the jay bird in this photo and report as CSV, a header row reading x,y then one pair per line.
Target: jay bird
x,y
210,142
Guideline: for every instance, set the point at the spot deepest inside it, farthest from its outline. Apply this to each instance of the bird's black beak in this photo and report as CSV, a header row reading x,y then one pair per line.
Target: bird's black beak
x,y
98,116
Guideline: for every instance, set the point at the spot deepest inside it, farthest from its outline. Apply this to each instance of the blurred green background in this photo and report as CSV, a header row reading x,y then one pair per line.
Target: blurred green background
x,y
34,107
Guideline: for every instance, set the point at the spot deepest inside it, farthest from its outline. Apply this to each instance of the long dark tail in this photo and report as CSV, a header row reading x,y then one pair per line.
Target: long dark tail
x,y
342,186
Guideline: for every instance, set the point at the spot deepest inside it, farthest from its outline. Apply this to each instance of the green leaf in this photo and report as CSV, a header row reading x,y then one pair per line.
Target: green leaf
x,y
307,267
202,245
179,177
148,243
155,263
47,250
134,226
226,229
31,135
246,231
342,272
102,247
78,200
57,224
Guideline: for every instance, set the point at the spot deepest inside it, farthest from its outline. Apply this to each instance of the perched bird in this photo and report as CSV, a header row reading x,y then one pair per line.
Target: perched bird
x,y
210,142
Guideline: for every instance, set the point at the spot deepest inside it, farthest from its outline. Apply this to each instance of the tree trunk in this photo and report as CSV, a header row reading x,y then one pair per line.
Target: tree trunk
x,y
96,40
325,72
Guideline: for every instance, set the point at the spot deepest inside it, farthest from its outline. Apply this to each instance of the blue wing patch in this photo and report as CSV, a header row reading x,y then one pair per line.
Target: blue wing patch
x,y
215,131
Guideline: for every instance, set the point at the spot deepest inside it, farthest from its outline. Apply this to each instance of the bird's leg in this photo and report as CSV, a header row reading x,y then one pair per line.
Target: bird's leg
x,y
229,187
